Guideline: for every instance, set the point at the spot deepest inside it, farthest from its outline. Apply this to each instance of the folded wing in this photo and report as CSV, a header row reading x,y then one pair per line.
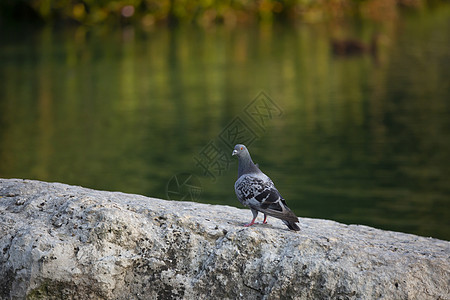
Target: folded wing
x,y
260,194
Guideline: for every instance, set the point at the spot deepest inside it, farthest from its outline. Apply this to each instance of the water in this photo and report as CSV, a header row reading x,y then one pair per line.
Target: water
x,y
356,139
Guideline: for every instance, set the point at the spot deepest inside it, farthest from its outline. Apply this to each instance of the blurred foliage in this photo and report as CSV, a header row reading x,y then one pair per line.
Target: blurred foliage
x,y
148,13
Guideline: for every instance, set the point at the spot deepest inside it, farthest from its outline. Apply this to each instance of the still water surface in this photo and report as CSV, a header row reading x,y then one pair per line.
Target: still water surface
x,y
358,139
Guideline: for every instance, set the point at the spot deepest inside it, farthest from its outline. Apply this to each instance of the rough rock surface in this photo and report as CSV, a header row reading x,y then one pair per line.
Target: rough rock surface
x,y
66,242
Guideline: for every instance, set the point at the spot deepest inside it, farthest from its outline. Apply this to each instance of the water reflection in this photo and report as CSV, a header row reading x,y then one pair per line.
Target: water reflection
x,y
360,141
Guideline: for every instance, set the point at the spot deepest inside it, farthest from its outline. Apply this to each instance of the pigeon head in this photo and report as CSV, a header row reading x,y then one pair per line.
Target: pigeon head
x,y
246,165
240,151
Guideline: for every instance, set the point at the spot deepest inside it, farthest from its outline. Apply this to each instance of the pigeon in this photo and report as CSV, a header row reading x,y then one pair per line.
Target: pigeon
x,y
256,190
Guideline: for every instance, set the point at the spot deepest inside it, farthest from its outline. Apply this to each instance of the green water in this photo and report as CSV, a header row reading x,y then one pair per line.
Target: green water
x,y
354,139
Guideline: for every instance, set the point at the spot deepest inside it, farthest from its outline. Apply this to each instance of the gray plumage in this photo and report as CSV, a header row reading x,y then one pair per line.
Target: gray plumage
x,y
256,190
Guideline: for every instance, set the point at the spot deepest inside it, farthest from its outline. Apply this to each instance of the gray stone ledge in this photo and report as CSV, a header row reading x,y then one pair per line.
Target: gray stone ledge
x,y
67,242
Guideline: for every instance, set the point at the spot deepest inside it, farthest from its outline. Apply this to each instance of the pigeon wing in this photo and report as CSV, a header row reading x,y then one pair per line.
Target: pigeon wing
x,y
260,194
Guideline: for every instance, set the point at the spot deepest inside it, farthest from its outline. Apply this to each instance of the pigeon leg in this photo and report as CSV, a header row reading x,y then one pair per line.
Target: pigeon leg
x,y
265,219
255,214
251,223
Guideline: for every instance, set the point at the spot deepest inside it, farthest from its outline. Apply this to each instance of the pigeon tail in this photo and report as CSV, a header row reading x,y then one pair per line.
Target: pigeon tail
x,y
285,214
291,225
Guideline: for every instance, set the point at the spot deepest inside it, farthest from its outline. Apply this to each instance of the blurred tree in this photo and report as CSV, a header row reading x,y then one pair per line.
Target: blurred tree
x,y
203,12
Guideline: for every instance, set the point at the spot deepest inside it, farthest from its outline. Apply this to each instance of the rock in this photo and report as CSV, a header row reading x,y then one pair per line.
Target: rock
x,y
66,242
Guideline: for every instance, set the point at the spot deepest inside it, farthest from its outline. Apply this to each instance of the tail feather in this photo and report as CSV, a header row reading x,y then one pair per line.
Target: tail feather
x,y
291,225
283,215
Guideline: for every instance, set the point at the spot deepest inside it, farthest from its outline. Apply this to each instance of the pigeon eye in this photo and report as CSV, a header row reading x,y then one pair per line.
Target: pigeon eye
x,y
242,148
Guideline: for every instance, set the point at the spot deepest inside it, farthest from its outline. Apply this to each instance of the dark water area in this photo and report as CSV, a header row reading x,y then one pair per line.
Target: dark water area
x,y
360,139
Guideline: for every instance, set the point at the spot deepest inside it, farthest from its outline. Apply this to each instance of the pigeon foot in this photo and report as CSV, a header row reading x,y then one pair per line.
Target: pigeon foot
x,y
250,224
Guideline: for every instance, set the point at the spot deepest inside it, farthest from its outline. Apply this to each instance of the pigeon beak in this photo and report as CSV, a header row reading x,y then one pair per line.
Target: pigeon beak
x,y
234,152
